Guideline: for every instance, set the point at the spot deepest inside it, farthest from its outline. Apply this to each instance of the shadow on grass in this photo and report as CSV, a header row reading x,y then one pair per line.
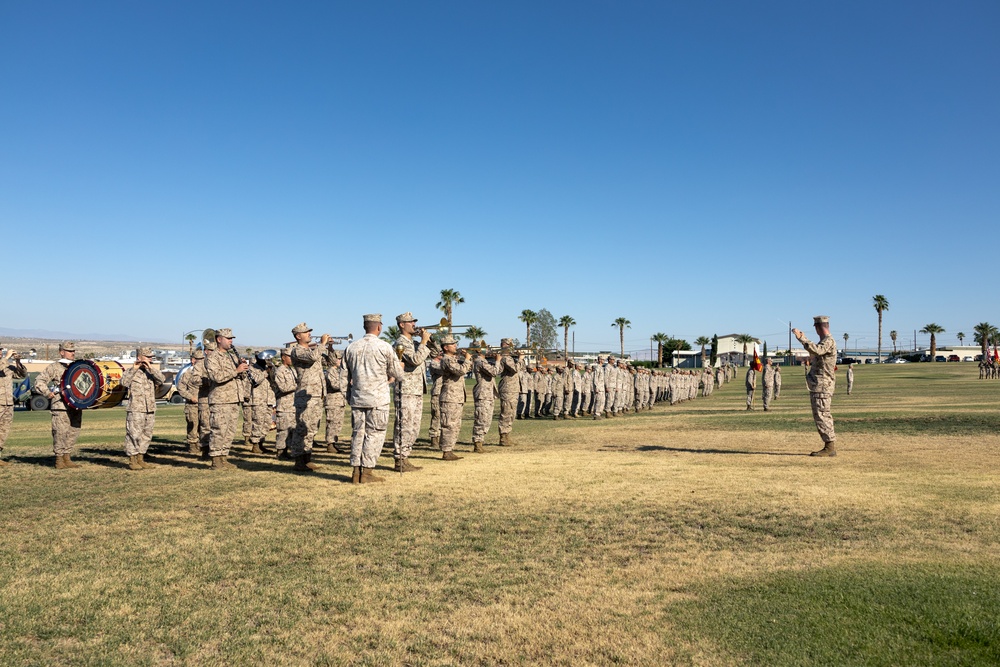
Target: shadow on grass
x,y
690,450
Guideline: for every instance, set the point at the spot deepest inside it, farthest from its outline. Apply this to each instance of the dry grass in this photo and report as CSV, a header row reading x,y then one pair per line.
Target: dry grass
x,y
698,534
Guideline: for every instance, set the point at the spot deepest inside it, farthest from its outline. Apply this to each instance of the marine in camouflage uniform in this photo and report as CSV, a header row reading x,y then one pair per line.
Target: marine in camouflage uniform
x,y
409,390
512,374
768,381
142,381
599,390
850,378
284,383
225,369
335,400
821,380
558,389
484,394
525,384
370,363
453,395
777,382
188,387
10,368
204,407
751,386
434,430
541,386
66,420
261,403
307,360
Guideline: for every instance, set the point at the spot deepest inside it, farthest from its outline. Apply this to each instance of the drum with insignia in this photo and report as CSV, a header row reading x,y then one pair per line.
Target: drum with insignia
x,y
92,384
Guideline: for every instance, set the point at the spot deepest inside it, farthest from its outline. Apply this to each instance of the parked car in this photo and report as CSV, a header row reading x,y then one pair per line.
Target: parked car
x,y
954,357
898,360
940,357
967,359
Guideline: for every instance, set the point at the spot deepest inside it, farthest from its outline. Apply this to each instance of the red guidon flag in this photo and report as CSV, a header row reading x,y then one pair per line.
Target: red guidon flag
x,y
757,366
996,354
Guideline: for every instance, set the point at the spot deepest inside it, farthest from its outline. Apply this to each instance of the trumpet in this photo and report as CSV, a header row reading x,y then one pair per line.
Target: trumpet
x,y
334,340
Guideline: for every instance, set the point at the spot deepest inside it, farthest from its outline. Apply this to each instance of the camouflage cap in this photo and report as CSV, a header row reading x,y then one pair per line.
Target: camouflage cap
x,y
198,354
287,351
821,319
67,346
506,342
210,345
449,340
373,317
301,327
405,317
144,352
224,333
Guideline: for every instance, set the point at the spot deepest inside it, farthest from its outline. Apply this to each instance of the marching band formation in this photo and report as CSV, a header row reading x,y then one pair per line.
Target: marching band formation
x,y
293,389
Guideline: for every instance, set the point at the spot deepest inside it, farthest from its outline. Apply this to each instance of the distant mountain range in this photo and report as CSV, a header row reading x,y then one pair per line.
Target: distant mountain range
x,y
65,335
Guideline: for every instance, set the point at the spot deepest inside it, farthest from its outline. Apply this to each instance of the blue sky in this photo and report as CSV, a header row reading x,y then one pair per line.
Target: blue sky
x,y
698,168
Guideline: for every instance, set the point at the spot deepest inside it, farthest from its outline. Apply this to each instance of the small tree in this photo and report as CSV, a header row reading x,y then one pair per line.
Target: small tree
x,y
961,337
846,336
449,299
894,335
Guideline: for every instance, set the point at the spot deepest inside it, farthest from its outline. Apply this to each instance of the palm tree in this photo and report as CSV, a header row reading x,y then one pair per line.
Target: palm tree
x,y
529,317
475,333
846,336
622,324
982,333
703,341
449,299
566,322
391,334
933,330
745,339
894,335
190,338
660,339
880,304
961,337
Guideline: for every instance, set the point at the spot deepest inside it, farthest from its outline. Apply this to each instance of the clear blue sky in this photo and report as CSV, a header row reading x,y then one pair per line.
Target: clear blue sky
x,y
697,167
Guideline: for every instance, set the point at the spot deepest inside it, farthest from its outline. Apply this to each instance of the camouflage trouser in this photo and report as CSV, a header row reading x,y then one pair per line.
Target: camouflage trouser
x,y
583,404
483,419
508,407
609,400
523,401
65,430
822,417
557,403
777,389
307,418
598,402
368,427
567,405
204,423
334,403
247,421
223,418
191,420
850,387
138,432
766,396
409,408
261,423
451,424
6,419
750,393
434,430
285,429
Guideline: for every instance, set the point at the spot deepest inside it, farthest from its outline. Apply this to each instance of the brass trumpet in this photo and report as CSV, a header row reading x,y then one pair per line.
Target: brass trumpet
x,y
334,340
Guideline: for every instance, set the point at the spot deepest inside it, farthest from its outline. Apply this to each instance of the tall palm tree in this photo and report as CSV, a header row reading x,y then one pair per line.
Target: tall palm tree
x,y
933,330
846,336
703,341
529,317
961,337
190,338
449,299
660,339
881,304
566,322
894,335
983,333
745,339
622,324
391,334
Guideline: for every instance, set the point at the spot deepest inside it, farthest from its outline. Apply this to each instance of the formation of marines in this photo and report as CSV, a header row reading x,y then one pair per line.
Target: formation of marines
x,y
989,368
309,379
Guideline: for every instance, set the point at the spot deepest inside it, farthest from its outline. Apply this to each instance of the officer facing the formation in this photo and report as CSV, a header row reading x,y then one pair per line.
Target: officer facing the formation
x,y
307,360
371,363
821,380
10,368
409,390
66,420
226,370
142,381
512,373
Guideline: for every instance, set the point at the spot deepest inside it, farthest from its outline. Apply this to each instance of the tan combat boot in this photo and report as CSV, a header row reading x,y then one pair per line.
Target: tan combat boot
x,y
226,463
255,449
477,447
409,467
504,440
451,456
217,463
828,450
436,441
68,462
300,464
60,464
356,475
399,466
133,464
309,463
368,478
140,459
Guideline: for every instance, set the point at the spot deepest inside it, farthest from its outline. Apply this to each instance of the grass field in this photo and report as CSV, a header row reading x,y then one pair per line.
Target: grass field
x,y
698,534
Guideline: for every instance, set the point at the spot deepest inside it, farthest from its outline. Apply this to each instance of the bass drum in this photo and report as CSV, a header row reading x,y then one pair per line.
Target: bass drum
x,y
177,378
92,384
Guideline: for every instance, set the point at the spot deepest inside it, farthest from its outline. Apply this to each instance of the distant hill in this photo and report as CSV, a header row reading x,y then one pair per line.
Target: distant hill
x,y
65,335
